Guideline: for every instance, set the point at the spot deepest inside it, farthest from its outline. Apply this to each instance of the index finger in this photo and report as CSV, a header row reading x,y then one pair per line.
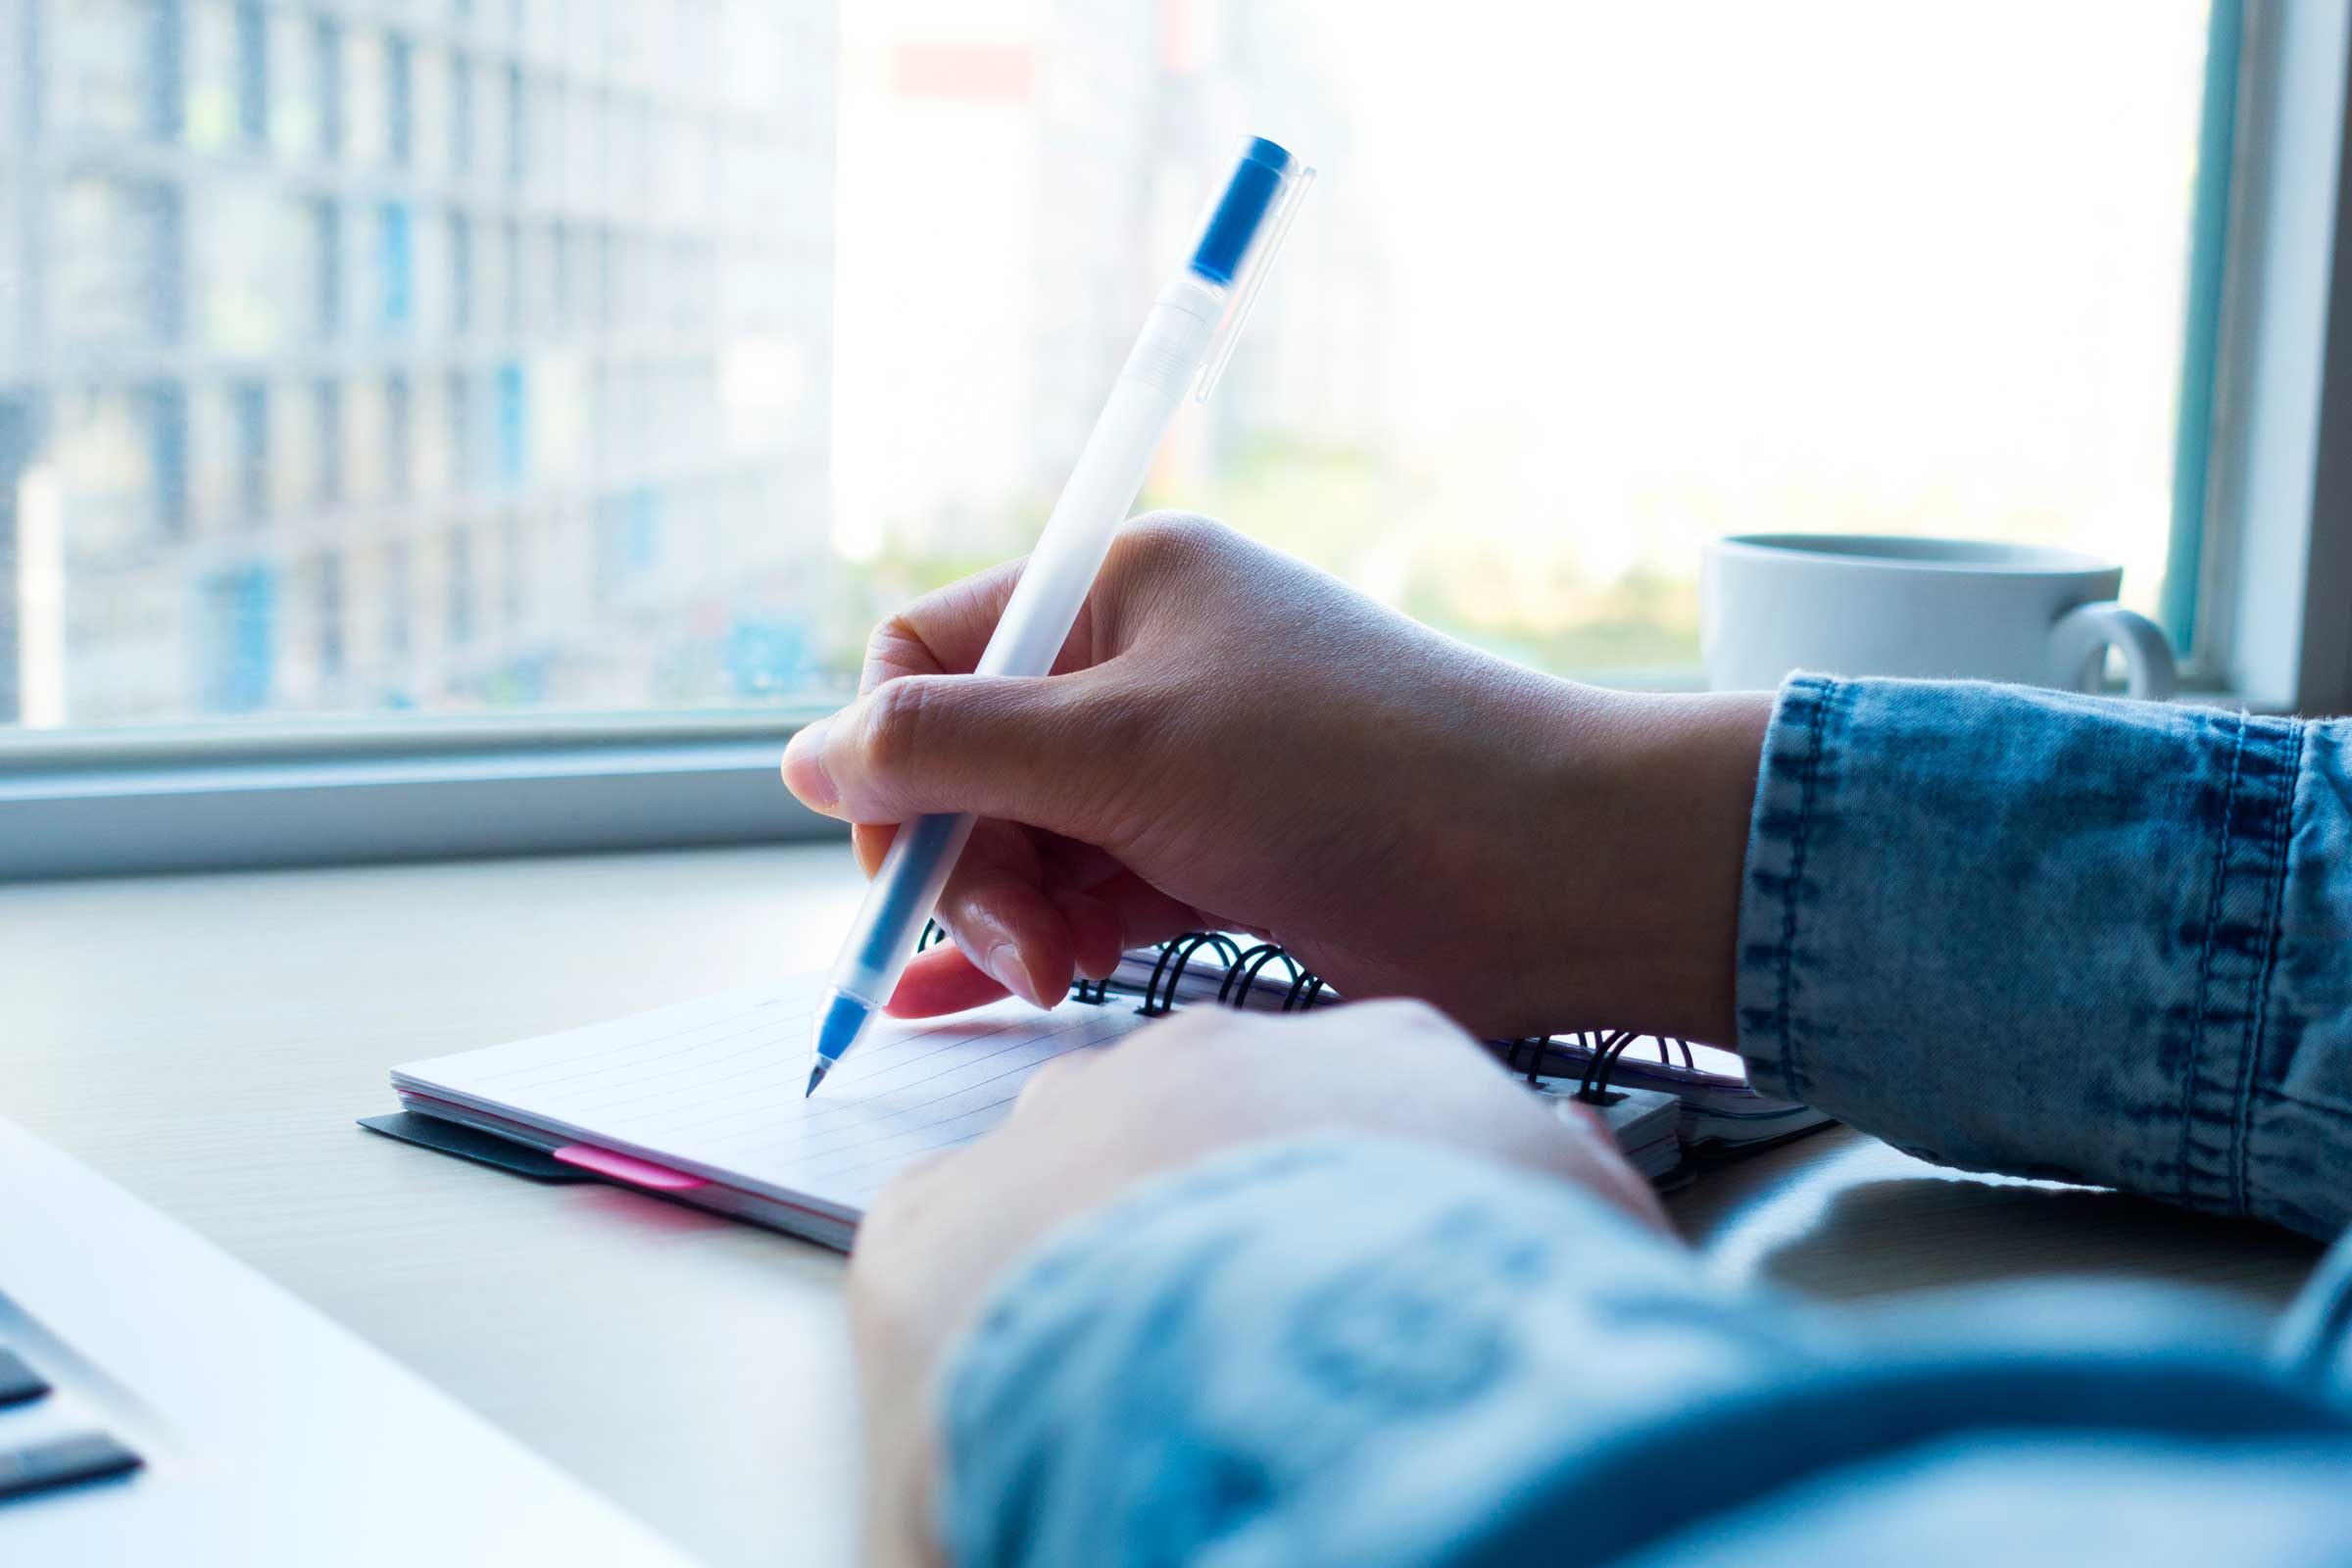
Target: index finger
x,y
944,631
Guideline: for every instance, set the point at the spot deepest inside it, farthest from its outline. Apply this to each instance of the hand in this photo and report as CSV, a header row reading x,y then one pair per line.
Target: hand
x,y
1232,738
1089,1127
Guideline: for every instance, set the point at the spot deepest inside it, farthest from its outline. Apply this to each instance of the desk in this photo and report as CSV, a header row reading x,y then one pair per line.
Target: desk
x,y
207,1041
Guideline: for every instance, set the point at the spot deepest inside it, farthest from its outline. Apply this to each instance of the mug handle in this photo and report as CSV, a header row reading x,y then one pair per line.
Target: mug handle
x,y
2079,641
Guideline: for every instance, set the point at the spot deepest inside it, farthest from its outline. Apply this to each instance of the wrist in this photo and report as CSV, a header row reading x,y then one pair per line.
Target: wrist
x,y
1653,824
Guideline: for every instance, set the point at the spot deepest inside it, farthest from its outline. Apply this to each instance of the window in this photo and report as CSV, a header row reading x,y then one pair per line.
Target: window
x,y
510,360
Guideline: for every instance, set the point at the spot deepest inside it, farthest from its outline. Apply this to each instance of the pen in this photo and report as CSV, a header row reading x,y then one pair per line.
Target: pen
x,y
1185,345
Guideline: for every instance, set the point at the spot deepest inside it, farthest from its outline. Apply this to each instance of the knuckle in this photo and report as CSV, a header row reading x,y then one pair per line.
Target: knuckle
x,y
890,731
887,644
1162,541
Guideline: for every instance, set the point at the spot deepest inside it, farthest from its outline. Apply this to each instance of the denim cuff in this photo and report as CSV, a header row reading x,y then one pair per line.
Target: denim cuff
x,y
2058,936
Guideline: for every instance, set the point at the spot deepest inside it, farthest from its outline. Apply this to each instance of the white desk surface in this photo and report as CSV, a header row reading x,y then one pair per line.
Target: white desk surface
x,y
206,1042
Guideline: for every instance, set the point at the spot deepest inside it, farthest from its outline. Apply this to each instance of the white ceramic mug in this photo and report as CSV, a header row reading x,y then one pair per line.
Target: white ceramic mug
x,y
1935,609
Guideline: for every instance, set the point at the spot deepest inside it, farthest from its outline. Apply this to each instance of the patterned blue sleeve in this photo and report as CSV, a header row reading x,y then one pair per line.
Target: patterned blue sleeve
x,y
2051,935
1353,1352
1284,1352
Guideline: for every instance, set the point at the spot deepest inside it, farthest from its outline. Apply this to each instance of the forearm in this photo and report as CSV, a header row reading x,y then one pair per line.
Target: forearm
x,y
2051,935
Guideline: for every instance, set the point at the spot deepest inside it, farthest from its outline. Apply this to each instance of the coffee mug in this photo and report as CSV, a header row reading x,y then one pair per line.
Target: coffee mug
x,y
1935,608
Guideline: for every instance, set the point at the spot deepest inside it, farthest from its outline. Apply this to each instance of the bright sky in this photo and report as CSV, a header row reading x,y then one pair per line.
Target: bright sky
x,y
1710,266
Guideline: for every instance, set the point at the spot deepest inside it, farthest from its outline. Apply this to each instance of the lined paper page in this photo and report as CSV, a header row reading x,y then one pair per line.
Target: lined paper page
x,y
714,1087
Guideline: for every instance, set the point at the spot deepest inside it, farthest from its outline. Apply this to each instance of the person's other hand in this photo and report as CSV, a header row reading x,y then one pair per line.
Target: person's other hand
x,y
1232,738
1088,1127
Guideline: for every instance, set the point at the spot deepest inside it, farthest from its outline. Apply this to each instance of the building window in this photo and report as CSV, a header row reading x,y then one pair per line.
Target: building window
x,y
400,102
515,114
514,425
400,602
237,638
461,274
253,71
326,404
516,574
326,74
399,438
330,611
396,265
326,242
460,116
166,411
720,388
118,284
558,269
509,275
463,441
249,402
462,589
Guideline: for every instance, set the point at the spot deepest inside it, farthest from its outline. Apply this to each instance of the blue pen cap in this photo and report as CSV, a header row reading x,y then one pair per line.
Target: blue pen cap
x,y
1244,230
1249,197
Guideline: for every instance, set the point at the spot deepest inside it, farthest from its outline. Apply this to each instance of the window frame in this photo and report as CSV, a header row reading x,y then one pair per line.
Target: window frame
x,y
2266,609
326,792
2274,622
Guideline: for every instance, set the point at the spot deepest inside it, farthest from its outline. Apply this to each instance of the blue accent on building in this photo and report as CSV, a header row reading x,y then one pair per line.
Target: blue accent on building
x,y
253,70
398,261
167,410
400,100
629,530
513,424
765,655
644,529
236,631
1240,210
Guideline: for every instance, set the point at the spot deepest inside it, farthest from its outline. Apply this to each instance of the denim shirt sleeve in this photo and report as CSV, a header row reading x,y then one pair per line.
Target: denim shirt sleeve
x,y
2051,935
1269,1353
1340,1351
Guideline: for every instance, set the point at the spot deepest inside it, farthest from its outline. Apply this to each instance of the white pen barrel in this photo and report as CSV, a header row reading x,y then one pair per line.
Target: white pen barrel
x,y
1159,374
1159,371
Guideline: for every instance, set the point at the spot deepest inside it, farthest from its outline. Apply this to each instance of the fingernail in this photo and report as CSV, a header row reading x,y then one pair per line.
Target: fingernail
x,y
1005,966
804,766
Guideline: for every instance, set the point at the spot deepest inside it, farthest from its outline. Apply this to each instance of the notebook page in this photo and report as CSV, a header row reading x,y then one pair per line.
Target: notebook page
x,y
714,1087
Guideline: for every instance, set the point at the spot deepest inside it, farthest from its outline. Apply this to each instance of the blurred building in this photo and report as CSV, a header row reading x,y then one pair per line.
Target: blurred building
x,y
373,352
1004,161
1313,370
1081,137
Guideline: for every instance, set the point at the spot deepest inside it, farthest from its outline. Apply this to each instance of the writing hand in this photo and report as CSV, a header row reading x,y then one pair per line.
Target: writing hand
x,y
1233,739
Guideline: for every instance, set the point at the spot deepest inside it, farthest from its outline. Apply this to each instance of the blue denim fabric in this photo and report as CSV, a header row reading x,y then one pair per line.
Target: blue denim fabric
x,y
2058,936
2009,930
1353,1351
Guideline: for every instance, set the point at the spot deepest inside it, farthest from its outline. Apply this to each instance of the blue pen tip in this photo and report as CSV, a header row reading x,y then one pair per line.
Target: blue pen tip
x,y
838,1027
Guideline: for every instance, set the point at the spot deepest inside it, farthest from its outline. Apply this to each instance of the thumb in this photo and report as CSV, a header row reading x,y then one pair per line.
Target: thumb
x,y
1025,749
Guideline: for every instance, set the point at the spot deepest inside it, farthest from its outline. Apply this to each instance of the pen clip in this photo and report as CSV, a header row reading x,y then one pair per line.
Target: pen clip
x,y
1254,267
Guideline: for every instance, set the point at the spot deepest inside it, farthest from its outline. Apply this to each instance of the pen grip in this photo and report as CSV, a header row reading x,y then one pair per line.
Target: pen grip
x,y
899,900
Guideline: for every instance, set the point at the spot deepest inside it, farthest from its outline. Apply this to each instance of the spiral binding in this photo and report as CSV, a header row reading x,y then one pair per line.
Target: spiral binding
x,y
1533,1056
1173,957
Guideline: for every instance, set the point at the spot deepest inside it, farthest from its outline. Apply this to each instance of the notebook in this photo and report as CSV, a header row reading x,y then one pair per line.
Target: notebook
x,y
703,1101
